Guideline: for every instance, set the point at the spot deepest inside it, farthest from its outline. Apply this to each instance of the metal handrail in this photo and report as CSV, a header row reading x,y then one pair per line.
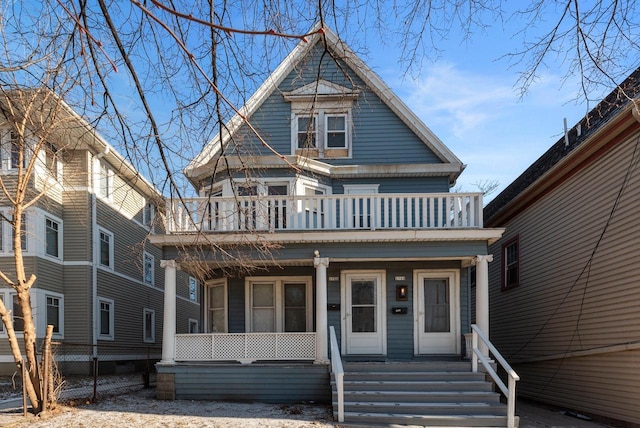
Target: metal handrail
x,y
338,372
508,391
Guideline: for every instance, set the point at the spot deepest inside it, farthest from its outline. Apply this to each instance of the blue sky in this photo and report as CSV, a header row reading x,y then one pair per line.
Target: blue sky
x,y
469,98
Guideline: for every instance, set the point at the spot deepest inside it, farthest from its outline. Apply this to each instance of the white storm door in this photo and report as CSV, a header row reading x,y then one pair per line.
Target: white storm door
x,y
364,321
437,312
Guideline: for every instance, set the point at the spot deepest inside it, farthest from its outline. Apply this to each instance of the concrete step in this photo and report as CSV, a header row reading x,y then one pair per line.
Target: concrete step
x,y
432,409
410,366
413,376
436,385
420,396
354,419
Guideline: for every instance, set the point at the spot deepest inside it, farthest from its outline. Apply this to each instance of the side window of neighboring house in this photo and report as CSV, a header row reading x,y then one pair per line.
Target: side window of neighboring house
x,y
54,312
104,181
511,263
106,317
18,319
23,233
149,327
53,230
148,214
148,265
193,289
193,326
105,248
51,160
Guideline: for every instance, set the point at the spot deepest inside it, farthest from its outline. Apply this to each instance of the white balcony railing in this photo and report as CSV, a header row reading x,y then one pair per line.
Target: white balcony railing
x,y
245,347
326,212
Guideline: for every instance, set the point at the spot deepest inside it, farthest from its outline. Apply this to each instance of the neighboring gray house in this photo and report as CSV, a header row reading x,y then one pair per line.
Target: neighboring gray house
x,y
351,226
564,296
99,281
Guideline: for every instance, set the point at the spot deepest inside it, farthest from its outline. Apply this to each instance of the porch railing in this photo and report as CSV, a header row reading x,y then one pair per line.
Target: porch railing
x,y
326,212
338,371
245,347
508,391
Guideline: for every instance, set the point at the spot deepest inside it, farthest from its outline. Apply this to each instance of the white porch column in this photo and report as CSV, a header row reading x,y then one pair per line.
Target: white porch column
x,y
169,319
322,328
482,297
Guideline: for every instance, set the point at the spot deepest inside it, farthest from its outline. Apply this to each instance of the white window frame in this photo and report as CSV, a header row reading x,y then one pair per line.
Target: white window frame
x,y
59,235
148,268
322,113
327,116
50,152
148,214
315,119
192,281
103,173
111,304
209,285
104,231
152,337
279,306
60,298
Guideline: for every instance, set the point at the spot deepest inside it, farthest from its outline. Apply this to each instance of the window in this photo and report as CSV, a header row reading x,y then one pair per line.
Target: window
x,y
193,289
53,313
511,263
105,323
193,326
52,241
148,214
104,185
23,232
106,248
307,132
336,131
51,159
217,307
16,150
2,323
279,305
148,268
18,318
149,328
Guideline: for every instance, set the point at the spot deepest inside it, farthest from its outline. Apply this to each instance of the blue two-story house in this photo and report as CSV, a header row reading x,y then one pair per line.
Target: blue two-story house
x,y
323,219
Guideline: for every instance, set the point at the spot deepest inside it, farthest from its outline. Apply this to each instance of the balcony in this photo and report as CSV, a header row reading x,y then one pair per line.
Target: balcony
x,y
383,211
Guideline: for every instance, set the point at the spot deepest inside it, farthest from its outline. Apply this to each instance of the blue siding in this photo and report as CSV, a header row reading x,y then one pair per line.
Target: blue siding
x,y
378,134
398,185
254,382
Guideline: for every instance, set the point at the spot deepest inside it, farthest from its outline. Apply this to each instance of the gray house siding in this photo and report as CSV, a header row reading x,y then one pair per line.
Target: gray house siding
x,y
78,304
578,290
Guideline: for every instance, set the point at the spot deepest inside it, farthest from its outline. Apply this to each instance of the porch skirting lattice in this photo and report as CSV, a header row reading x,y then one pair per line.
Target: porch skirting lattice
x,y
245,347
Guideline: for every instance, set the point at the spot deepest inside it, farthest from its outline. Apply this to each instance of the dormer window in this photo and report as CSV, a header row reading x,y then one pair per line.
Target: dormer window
x,y
321,120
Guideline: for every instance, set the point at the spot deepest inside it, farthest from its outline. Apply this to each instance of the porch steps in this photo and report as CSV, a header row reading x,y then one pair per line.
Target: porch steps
x,y
432,393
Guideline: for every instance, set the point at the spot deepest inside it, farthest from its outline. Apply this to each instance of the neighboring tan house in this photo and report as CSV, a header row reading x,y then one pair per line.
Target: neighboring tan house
x,y
348,223
99,281
564,291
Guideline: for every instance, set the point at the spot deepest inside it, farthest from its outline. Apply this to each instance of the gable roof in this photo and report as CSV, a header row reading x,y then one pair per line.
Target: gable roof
x,y
600,124
198,165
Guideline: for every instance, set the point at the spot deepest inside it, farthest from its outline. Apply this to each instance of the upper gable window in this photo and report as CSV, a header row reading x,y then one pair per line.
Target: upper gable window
x,y
321,120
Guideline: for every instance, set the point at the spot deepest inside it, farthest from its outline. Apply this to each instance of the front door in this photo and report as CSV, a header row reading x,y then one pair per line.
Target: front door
x,y
363,313
437,312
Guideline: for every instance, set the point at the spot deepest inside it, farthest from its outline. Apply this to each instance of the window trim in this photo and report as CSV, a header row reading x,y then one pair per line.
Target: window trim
x,y
279,306
515,240
209,285
60,298
152,338
152,259
329,115
111,265
315,134
110,302
102,169
59,236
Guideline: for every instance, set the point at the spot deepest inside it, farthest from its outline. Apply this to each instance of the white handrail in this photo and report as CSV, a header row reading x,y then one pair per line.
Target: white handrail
x,y
338,372
510,390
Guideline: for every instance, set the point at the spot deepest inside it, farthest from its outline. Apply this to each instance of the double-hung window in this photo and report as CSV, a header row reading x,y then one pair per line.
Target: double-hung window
x,y
51,159
193,289
105,319
336,131
23,232
148,264
104,181
148,214
217,307
105,248
511,263
54,313
52,237
307,133
149,325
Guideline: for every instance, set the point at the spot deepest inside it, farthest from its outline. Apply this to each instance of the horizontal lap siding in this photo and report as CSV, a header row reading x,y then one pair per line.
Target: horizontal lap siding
x,y
78,302
565,301
271,384
77,226
596,384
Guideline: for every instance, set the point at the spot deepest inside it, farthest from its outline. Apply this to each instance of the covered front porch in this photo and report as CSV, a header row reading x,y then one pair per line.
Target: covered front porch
x,y
238,355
